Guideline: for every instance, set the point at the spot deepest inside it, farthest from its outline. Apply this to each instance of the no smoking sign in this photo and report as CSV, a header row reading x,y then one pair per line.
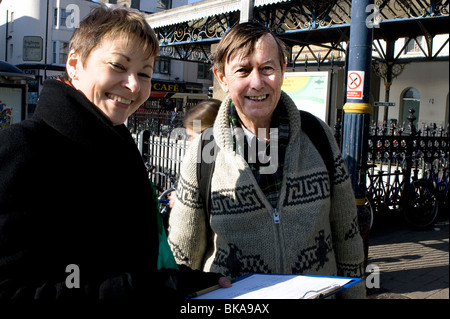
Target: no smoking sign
x,y
355,84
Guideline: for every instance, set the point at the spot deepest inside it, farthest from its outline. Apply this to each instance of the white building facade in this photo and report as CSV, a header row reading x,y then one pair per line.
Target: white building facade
x,y
35,35
421,86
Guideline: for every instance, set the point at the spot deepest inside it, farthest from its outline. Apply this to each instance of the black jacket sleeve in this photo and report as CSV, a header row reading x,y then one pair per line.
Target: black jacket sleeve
x,y
195,280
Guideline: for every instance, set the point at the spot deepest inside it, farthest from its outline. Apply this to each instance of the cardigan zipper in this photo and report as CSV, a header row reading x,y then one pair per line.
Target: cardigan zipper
x,y
279,239
276,216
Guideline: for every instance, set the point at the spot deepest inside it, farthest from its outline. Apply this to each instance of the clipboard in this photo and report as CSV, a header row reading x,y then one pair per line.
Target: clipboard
x,y
280,286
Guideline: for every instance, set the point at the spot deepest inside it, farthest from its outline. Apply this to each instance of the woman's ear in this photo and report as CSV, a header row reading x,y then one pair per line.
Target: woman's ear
x,y
222,80
72,65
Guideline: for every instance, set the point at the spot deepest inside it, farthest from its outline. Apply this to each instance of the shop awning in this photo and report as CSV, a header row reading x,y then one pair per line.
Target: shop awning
x,y
158,94
199,10
190,96
11,72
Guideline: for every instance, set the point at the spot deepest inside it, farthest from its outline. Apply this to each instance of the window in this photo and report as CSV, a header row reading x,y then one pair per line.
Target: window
x,y
164,4
11,22
55,17
63,52
63,14
54,52
162,66
203,71
60,51
414,45
410,100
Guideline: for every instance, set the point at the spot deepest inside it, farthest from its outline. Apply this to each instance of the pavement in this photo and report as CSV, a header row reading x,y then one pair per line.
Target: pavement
x,y
413,264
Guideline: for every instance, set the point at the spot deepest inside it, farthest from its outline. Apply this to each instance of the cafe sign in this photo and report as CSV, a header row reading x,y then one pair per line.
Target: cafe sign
x,y
167,86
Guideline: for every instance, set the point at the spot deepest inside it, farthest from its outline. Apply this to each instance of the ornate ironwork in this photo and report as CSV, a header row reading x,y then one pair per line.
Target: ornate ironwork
x,y
193,38
397,9
303,15
396,154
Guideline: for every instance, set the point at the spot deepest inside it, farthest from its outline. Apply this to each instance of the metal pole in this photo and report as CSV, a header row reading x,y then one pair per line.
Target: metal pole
x,y
6,36
390,46
357,108
46,41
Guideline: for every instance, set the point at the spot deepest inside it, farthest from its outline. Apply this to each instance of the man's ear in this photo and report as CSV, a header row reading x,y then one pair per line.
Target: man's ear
x,y
72,65
222,80
283,70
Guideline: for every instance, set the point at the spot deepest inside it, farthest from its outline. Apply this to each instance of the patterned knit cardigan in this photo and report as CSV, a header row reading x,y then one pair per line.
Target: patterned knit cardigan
x,y
317,232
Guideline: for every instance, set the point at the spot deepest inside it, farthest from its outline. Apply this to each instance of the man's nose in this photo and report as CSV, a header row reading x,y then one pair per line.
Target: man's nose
x,y
257,81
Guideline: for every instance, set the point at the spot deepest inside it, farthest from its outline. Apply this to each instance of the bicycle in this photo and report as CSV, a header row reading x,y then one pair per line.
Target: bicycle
x,y
438,177
414,198
164,201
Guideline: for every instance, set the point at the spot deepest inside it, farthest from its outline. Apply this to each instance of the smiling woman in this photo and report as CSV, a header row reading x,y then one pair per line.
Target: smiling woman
x,y
115,72
116,77
74,191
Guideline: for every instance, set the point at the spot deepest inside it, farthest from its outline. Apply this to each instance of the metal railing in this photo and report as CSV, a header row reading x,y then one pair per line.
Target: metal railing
x,y
163,155
394,153
399,156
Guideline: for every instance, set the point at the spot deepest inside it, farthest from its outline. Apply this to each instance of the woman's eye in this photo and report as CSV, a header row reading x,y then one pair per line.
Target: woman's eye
x,y
145,76
117,66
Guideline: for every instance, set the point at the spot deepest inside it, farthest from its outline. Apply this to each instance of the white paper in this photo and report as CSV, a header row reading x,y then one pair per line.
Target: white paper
x,y
267,286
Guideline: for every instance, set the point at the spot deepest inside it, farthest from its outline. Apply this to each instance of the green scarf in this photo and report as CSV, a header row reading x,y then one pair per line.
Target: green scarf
x,y
270,184
165,256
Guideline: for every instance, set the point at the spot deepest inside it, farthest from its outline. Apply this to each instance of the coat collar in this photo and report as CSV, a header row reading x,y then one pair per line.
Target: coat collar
x,y
69,112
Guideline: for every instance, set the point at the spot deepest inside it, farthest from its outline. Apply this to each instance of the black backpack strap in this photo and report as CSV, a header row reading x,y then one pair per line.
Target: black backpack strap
x,y
204,176
205,171
312,127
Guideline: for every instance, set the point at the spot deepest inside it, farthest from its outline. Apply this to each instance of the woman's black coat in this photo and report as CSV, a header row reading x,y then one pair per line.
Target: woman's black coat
x,y
74,190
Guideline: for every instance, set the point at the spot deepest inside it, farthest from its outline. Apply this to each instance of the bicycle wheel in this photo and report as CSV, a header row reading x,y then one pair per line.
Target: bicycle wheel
x,y
369,207
421,206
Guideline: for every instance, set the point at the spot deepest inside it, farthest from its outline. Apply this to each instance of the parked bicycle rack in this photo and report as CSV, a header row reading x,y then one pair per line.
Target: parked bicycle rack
x,y
399,157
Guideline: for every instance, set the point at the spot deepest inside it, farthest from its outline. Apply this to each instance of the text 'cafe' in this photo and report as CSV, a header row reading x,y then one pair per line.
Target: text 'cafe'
x,y
166,95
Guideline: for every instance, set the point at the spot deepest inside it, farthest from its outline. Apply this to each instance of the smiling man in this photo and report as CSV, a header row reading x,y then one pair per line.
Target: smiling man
x,y
295,219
